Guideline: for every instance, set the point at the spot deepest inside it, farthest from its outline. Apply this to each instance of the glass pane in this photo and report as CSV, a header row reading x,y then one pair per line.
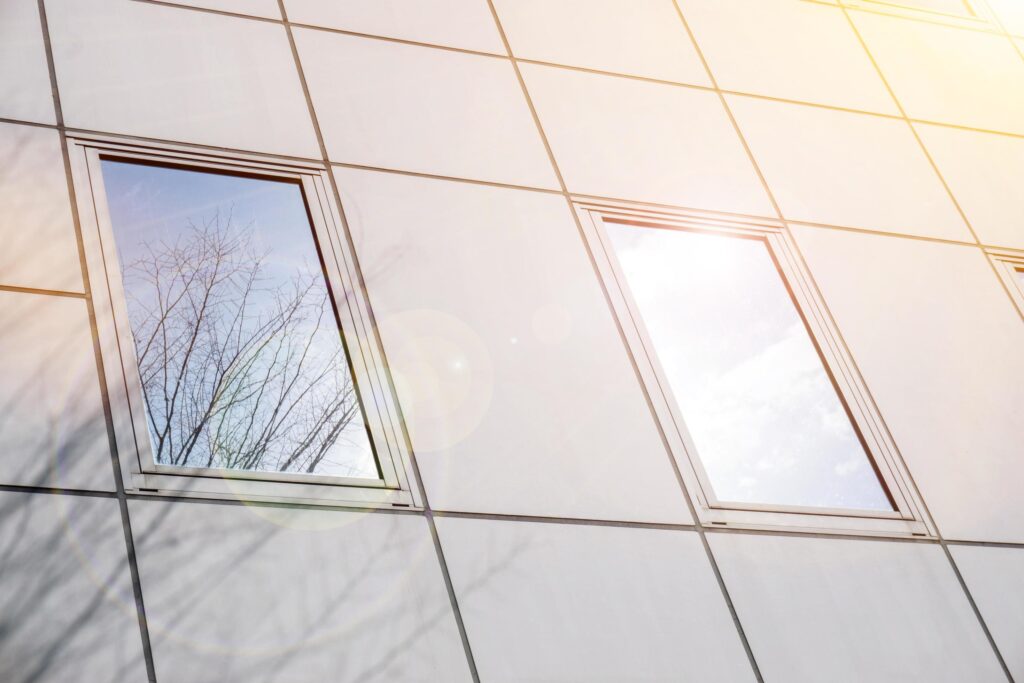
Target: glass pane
x,y
766,421
1020,278
241,359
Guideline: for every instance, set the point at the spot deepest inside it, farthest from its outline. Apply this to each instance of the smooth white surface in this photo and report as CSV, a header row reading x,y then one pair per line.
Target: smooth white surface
x,y
37,233
466,24
946,74
788,49
635,37
163,72
984,172
256,8
1010,13
514,383
622,138
938,341
553,602
842,610
67,611
421,109
24,76
995,577
242,593
52,429
848,169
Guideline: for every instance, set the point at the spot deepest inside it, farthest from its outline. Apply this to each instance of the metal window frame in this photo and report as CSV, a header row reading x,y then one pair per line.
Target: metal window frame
x,y
909,517
975,15
140,472
1009,262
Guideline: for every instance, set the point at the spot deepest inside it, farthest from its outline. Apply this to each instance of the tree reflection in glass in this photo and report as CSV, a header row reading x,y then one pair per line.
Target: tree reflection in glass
x,y
239,352
766,421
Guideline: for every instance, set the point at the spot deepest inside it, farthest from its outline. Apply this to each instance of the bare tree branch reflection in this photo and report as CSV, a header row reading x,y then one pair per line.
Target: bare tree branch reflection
x,y
241,368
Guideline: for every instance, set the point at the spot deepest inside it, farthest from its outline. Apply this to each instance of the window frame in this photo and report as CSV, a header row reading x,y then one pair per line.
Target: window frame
x,y
976,15
140,472
909,517
1008,263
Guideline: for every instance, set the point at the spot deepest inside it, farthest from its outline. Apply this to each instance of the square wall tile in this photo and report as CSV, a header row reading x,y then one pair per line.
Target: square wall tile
x,y
466,24
25,92
938,342
845,610
590,603
634,37
514,383
268,9
36,228
946,74
421,109
788,49
163,72
627,139
252,593
52,428
67,610
983,171
843,168
995,577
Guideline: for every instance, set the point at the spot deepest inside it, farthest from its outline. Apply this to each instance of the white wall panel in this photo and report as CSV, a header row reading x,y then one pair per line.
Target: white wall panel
x,y
552,602
1010,13
948,75
163,72
842,168
938,341
843,610
52,428
466,24
257,8
24,76
67,611
515,385
788,49
635,37
243,593
995,577
627,139
37,232
984,172
422,109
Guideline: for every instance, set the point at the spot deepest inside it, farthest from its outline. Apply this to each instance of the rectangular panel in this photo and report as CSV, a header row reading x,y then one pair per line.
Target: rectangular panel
x,y
52,428
142,69
558,602
765,419
67,609
37,234
626,139
25,91
788,49
251,593
850,611
848,169
466,24
414,108
240,357
635,37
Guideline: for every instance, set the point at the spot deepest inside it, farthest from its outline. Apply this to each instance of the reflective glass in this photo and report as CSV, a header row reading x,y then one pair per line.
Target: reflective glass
x,y
767,423
240,355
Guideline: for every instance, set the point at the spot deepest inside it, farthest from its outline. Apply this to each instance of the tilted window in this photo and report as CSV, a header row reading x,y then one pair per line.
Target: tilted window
x,y
234,323
769,419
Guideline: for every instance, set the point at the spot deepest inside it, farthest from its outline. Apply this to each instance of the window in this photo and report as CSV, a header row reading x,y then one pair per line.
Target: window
x,y
235,326
767,417
1010,266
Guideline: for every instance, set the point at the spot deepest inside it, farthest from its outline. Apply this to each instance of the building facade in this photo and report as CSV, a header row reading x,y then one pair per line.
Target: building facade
x,y
511,340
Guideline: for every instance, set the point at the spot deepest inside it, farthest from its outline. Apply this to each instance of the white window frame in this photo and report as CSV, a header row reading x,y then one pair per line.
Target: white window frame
x,y
909,518
140,472
976,14
1008,263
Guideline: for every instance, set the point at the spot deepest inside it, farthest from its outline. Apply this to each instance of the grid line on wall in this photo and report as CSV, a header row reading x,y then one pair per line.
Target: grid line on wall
x,y
122,500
